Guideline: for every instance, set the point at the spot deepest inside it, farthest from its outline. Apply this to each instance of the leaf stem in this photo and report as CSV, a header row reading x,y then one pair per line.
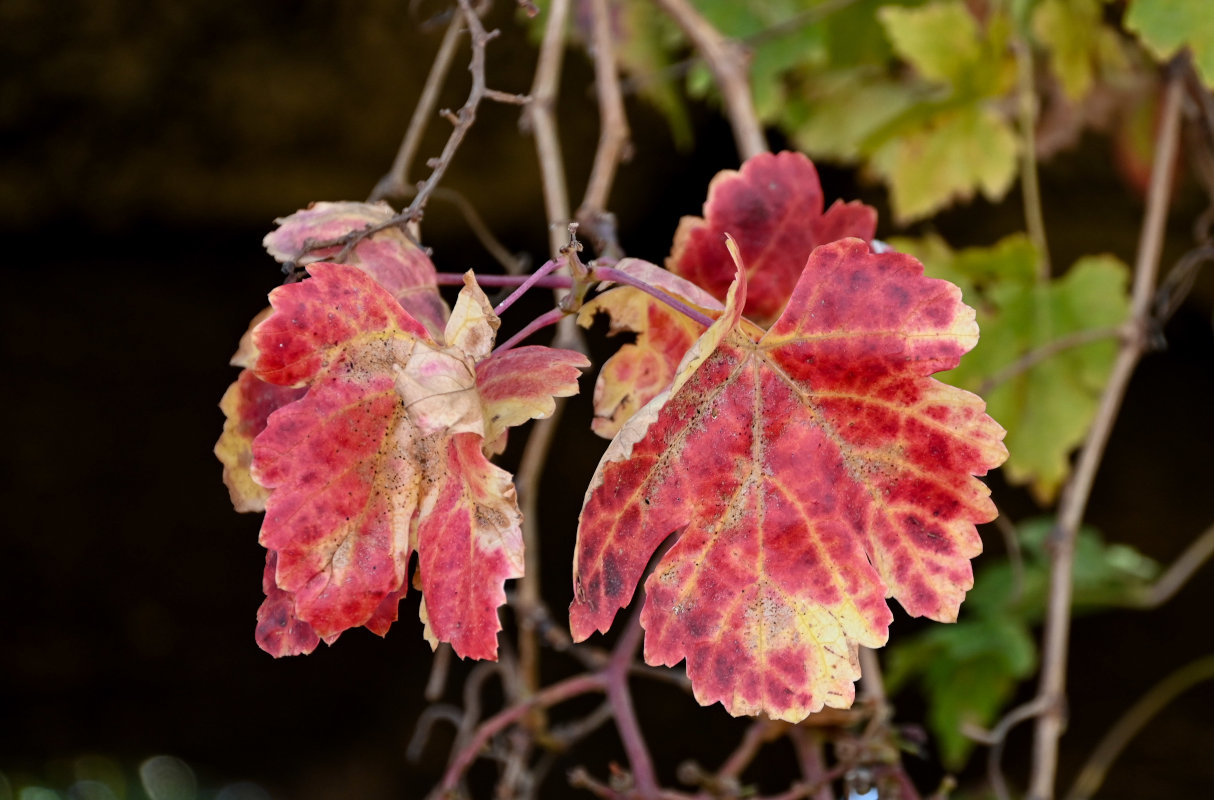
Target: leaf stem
x,y
1052,688
619,276
547,282
1030,186
532,280
542,321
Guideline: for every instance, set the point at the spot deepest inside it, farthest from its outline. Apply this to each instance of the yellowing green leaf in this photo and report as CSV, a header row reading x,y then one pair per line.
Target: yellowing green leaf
x,y
1072,31
1048,406
957,153
844,109
1165,26
940,40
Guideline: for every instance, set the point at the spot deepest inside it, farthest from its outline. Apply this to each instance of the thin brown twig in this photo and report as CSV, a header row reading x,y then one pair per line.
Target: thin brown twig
x,y
466,114
1047,351
997,736
514,264
618,694
396,182
727,62
872,685
809,745
613,146
1052,688
1030,187
540,117
1092,775
439,668
550,696
1183,568
1015,556
759,733
461,123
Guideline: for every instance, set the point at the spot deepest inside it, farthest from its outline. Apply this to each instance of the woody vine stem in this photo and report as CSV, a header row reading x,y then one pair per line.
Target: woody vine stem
x,y
521,732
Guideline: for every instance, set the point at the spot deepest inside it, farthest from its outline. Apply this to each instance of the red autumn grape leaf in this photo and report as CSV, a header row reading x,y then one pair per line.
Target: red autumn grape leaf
x,y
279,631
367,467
246,405
813,470
772,207
389,256
636,373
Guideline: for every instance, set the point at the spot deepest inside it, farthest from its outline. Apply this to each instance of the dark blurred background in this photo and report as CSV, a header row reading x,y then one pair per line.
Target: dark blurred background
x,y
145,149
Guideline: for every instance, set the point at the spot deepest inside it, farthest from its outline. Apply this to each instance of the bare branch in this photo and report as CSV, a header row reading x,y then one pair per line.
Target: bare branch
x,y
727,62
613,146
396,182
1183,568
1134,720
1048,351
556,693
540,117
1052,688
1030,188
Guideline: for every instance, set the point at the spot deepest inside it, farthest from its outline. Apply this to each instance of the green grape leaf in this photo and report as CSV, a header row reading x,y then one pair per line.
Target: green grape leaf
x,y
1165,26
968,673
957,152
940,40
1048,406
1072,32
845,108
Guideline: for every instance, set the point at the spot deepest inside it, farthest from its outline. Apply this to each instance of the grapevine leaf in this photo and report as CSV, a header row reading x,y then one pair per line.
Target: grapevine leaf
x,y
279,631
968,672
639,371
389,256
813,470
846,107
1072,32
246,406
1048,406
368,467
916,35
957,152
519,385
1165,26
773,209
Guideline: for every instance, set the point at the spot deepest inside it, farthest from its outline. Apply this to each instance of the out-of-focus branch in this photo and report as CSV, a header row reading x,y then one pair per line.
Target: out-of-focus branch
x,y
1134,720
613,146
540,117
396,182
727,62
1052,689
556,693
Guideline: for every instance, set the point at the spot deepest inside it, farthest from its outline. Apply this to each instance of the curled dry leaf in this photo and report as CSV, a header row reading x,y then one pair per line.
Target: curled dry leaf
x,y
640,370
395,261
812,471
